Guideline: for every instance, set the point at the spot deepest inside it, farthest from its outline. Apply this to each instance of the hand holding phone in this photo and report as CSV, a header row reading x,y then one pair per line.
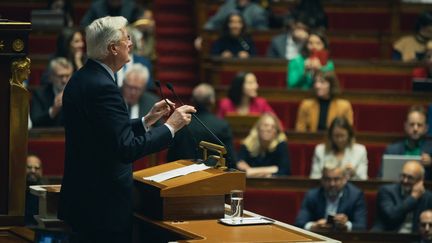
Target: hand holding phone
x,y
330,220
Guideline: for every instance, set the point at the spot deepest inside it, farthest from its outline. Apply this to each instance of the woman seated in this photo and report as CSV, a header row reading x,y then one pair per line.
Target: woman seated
x,y
264,151
341,148
425,71
314,57
234,42
243,97
318,112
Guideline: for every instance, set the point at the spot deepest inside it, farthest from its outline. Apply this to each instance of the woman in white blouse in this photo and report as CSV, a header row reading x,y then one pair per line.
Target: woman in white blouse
x,y
341,148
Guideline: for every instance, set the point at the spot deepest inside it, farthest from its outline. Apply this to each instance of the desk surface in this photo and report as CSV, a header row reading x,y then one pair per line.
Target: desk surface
x,y
212,231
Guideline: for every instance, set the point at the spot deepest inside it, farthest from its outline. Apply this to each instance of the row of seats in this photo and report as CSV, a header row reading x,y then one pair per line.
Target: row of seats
x,y
51,151
346,15
283,205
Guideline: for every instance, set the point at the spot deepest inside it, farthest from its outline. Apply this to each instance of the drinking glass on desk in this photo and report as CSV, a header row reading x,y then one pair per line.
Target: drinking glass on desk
x,y
236,205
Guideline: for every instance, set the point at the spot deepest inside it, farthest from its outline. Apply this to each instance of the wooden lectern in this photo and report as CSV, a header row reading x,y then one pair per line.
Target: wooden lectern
x,y
14,103
199,195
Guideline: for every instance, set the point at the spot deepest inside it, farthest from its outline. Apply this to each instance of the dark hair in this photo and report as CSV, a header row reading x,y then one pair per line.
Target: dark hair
x,y
341,122
330,77
312,12
423,20
63,44
235,92
323,37
225,26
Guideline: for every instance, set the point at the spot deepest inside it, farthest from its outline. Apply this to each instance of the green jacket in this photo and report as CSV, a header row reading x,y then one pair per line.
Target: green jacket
x,y
297,78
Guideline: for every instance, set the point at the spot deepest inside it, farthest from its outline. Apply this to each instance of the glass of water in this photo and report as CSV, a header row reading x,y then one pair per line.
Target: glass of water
x,y
236,206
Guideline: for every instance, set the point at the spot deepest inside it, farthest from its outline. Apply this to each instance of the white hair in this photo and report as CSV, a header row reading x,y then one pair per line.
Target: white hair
x,y
141,70
101,33
59,62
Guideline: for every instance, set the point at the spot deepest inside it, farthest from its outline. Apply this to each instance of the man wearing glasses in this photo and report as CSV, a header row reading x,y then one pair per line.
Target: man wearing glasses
x,y
399,205
426,226
336,205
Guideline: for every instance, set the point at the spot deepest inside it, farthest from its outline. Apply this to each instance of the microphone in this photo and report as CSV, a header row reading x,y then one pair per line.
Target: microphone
x,y
171,88
158,84
162,95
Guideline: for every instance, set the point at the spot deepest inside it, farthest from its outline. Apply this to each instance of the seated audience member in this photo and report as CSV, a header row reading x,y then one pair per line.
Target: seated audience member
x,y
46,102
134,59
413,47
316,113
234,42
314,57
66,7
33,177
70,45
185,144
289,44
415,142
313,12
425,72
102,8
335,205
264,152
144,35
138,100
399,205
243,97
253,14
342,150
425,226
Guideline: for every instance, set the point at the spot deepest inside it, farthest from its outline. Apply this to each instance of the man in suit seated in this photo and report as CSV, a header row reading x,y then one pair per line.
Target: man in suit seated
x,y
415,142
425,227
138,100
185,143
33,177
399,205
46,102
335,205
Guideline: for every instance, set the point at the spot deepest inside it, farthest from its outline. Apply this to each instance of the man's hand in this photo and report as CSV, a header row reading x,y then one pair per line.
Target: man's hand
x,y
226,54
340,221
242,165
56,107
418,190
181,117
158,110
243,54
321,225
426,159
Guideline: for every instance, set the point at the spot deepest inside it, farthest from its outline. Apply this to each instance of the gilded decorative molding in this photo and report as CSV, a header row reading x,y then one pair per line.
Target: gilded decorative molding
x,y
20,71
18,45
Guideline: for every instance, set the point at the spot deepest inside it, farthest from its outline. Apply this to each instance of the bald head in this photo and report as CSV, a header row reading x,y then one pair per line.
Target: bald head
x,y
426,225
203,96
414,168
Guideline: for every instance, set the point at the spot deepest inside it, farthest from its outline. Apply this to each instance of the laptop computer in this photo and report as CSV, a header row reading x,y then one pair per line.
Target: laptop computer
x,y
392,165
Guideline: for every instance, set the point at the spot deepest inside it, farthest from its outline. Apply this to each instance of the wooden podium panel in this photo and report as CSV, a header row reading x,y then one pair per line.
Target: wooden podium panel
x,y
199,195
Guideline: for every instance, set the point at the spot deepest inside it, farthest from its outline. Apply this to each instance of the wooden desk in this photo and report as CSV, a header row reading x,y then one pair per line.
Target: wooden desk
x,y
212,231
305,184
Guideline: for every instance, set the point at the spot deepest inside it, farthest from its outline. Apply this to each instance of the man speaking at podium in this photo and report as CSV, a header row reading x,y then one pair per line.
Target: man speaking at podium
x,y
101,141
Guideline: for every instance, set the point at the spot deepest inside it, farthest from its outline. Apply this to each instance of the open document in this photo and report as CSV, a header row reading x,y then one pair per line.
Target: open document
x,y
177,172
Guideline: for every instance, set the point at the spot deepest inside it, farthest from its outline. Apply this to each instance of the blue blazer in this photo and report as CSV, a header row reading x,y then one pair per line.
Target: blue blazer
x,y
351,204
392,208
399,148
101,144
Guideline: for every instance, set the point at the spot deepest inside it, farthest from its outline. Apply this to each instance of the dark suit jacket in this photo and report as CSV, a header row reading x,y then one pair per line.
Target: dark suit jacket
x,y
42,100
185,143
399,148
392,208
277,47
351,204
101,144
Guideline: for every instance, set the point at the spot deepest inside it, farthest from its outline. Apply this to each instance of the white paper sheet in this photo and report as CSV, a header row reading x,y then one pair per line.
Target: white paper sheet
x,y
177,172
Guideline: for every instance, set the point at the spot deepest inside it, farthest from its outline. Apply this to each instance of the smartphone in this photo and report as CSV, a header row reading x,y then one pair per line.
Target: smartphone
x,y
330,219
